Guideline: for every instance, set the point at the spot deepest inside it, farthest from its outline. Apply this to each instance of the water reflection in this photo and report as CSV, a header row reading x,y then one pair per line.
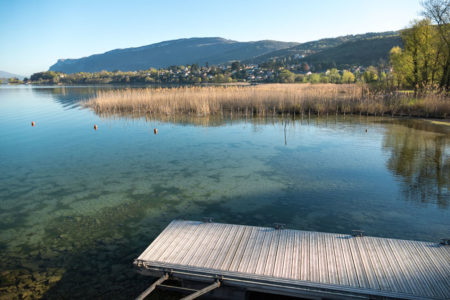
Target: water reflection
x,y
71,96
68,97
421,158
419,150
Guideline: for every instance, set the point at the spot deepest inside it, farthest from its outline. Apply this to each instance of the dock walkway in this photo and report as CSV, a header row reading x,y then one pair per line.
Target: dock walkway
x,y
299,263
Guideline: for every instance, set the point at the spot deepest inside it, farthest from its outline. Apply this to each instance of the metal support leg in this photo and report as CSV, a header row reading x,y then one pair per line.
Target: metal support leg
x,y
152,287
202,291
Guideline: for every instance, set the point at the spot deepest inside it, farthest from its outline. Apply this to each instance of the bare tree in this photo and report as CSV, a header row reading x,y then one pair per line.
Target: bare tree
x,y
438,11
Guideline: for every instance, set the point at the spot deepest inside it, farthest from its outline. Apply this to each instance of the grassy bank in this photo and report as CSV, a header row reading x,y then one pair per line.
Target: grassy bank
x,y
268,99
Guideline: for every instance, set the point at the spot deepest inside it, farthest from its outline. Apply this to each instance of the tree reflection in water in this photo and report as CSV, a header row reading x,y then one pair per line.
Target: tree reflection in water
x,y
420,156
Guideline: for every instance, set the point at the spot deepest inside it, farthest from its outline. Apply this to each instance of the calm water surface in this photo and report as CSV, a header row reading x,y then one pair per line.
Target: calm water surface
x,y
78,205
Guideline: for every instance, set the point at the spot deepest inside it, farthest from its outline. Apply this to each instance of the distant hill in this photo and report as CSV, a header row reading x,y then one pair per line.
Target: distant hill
x,y
6,75
354,53
213,50
363,49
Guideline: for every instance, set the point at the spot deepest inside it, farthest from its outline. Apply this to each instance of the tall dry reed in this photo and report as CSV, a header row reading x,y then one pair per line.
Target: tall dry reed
x,y
266,99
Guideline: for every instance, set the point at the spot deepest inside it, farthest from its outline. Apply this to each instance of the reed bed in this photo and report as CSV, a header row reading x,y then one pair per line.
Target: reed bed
x,y
266,100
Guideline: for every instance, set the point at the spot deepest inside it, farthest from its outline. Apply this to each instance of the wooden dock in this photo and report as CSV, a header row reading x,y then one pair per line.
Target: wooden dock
x,y
299,263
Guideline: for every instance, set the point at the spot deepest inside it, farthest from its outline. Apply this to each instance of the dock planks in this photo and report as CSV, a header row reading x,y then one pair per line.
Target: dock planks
x,y
299,260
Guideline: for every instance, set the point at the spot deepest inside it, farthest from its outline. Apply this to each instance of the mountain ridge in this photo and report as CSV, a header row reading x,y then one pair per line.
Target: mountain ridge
x,y
213,50
7,75
220,51
319,45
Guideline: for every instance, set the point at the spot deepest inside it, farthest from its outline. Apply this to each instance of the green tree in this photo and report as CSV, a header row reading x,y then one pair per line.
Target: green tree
x,y
348,77
314,78
299,78
358,75
286,76
400,68
370,75
420,64
235,66
334,75
324,78
14,80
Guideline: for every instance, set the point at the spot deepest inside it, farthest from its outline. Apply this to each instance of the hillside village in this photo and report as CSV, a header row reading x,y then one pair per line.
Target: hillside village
x,y
234,72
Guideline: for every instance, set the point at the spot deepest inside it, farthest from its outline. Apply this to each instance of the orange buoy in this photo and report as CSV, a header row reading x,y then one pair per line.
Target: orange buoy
x,y
32,123
95,127
155,131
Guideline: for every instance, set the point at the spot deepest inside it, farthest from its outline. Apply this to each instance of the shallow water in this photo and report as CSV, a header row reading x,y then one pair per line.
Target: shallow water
x,y
78,205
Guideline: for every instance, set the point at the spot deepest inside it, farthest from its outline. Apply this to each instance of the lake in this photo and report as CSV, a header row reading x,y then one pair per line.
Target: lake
x,y
77,205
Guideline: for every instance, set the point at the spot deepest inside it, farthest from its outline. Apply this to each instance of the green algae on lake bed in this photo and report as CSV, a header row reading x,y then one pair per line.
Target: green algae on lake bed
x,y
78,205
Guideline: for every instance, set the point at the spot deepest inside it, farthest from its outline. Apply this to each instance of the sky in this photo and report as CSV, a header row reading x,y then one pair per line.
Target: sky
x,y
35,34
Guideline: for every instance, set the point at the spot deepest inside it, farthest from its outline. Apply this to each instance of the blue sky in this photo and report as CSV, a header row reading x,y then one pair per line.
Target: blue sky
x,y
34,34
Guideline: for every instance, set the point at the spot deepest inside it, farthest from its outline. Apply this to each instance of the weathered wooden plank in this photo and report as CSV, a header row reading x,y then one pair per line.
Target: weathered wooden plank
x,y
233,248
270,264
376,276
249,249
424,272
188,244
350,266
286,268
237,259
204,244
331,259
235,230
305,257
227,232
341,266
256,252
314,258
262,259
385,267
172,249
178,228
413,270
400,263
396,270
437,255
280,253
414,266
367,268
434,267
165,234
357,261
184,234
296,256
324,275
213,245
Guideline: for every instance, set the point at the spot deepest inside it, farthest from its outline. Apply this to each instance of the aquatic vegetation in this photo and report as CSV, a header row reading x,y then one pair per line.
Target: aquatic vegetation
x,y
266,100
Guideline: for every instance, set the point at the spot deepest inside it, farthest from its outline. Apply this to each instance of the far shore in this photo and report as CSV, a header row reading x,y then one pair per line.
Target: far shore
x,y
269,99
